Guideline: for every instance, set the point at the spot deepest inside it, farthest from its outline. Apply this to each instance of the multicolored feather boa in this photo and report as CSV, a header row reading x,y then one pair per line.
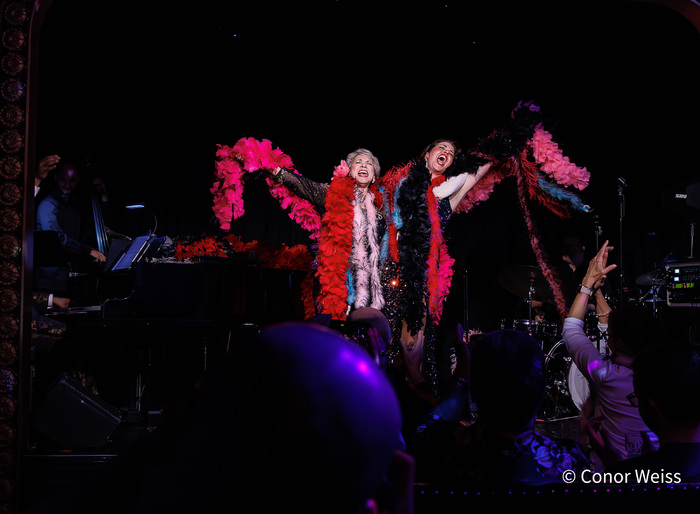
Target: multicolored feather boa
x,y
542,172
525,186
548,163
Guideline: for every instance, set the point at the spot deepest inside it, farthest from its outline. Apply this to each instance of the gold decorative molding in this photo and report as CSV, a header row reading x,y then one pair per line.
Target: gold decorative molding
x,y
15,19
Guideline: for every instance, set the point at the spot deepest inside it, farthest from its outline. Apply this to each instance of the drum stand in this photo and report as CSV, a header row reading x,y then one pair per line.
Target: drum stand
x,y
622,184
530,293
655,288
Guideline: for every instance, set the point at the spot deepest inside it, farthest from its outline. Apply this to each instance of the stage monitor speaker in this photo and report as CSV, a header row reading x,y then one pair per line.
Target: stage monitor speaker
x,y
73,417
693,192
682,199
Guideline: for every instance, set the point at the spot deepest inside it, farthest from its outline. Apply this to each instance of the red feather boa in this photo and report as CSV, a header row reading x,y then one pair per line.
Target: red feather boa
x,y
335,246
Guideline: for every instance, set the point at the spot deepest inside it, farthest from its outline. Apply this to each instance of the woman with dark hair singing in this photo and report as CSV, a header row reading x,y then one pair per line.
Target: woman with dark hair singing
x,y
422,196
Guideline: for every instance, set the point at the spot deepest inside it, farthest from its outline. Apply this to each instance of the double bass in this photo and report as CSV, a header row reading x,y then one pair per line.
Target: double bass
x,y
98,196
98,216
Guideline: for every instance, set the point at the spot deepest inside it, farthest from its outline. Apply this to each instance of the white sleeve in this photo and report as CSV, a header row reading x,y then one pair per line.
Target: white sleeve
x,y
584,353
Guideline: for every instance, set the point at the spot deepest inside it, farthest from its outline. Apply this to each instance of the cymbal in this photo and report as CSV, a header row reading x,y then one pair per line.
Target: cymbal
x,y
518,278
653,278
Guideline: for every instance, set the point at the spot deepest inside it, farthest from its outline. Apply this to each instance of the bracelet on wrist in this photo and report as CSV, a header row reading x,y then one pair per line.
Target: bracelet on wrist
x,y
585,290
279,176
603,315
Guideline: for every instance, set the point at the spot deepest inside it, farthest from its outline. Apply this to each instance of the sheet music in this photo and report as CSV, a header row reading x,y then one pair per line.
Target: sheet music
x,y
132,254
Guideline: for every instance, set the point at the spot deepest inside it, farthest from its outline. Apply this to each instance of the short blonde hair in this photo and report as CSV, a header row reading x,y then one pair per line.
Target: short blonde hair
x,y
351,157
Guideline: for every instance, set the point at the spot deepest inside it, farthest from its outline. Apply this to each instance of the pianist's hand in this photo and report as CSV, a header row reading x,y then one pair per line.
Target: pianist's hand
x,y
60,302
97,256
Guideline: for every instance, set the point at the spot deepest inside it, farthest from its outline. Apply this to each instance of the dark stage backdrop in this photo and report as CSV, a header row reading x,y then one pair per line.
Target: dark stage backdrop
x,y
150,91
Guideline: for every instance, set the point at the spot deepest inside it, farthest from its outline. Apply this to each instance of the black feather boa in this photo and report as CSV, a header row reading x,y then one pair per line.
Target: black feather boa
x,y
414,244
509,141
465,163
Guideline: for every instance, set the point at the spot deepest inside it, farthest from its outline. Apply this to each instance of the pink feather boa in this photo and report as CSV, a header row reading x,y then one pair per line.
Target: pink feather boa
x,y
439,267
247,156
553,162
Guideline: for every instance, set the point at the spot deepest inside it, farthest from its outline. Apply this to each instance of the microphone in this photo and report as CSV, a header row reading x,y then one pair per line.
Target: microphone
x,y
598,229
622,182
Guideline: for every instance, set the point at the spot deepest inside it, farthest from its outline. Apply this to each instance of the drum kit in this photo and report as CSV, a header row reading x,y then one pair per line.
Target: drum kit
x,y
674,285
528,282
566,387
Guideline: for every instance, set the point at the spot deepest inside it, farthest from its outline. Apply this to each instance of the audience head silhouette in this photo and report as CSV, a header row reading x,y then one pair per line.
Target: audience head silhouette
x,y
298,417
667,387
508,379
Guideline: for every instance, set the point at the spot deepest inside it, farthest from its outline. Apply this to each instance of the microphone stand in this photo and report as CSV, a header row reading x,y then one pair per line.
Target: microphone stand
x,y
692,238
621,184
465,298
598,231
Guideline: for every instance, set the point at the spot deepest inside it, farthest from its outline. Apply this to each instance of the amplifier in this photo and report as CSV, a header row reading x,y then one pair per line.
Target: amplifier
x,y
683,284
73,417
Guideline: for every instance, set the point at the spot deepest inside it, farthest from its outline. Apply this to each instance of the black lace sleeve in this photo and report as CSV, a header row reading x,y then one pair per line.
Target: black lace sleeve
x,y
305,188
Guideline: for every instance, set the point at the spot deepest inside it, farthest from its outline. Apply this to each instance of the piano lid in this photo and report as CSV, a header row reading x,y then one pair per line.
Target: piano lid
x,y
212,291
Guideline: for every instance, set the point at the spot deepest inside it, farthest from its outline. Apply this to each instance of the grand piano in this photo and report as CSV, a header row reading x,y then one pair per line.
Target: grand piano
x,y
212,291
138,288
158,323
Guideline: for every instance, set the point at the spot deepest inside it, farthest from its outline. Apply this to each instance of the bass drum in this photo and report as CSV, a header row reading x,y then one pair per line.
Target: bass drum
x,y
567,388
578,384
